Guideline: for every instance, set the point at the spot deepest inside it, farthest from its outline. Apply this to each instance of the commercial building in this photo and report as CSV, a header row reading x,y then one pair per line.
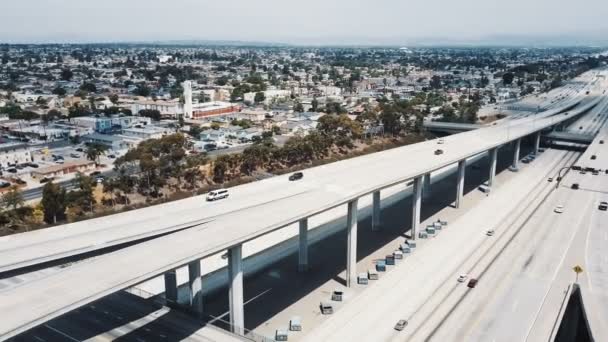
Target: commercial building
x,y
149,132
213,109
111,141
14,153
99,125
64,169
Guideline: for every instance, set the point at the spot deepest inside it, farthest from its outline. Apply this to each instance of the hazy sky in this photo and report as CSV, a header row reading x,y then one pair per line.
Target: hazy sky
x,y
304,21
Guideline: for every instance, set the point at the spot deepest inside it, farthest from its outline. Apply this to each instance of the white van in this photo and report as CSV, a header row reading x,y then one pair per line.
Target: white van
x,y
217,194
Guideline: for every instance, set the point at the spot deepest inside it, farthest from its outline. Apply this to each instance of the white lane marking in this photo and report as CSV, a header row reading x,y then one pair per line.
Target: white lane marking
x,y
61,333
38,338
589,229
130,326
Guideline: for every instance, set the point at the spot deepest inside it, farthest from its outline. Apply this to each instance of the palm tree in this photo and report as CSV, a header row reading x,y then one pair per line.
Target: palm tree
x,y
95,150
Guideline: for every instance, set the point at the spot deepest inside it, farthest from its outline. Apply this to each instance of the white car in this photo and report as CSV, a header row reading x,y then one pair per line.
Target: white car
x,y
462,278
440,141
490,232
217,194
559,209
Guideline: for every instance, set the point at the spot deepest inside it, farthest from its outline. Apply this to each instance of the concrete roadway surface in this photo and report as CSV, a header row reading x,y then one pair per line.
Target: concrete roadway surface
x,y
125,317
22,250
372,315
406,288
524,291
305,198
514,276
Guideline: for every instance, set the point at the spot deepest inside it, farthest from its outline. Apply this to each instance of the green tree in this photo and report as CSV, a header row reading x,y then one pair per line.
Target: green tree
x,y
82,199
314,105
59,91
94,151
259,97
150,113
507,78
66,74
54,202
435,82
298,107
113,98
12,199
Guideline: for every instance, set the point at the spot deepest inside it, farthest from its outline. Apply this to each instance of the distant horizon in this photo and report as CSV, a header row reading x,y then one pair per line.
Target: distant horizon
x,y
553,41
315,23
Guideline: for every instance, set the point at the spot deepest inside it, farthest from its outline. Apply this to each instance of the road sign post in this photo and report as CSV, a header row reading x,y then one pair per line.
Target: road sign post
x,y
577,269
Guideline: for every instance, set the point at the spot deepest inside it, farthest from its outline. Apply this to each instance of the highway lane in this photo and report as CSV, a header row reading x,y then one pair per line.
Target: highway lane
x,y
506,305
125,317
372,315
368,318
228,230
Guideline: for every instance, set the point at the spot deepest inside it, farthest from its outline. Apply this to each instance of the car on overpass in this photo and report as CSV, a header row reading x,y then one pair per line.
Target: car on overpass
x,y
438,152
401,325
296,176
603,206
217,195
559,209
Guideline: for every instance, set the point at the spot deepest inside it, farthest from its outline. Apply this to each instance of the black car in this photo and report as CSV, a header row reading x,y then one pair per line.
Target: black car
x,y
593,157
34,165
111,156
20,181
12,170
95,173
574,186
438,152
79,149
296,176
45,180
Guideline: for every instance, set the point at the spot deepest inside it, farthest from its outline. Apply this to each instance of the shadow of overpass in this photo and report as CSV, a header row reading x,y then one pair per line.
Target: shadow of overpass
x,y
279,285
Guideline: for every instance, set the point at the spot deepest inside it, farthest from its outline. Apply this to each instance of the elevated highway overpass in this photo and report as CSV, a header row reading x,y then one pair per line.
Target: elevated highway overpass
x,y
226,229
60,244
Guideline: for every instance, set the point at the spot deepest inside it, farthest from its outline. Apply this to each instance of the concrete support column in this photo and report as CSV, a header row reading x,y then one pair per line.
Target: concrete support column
x,y
351,241
170,288
426,186
536,143
462,165
235,294
493,154
376,211
416,205
516,154
195,284
303,250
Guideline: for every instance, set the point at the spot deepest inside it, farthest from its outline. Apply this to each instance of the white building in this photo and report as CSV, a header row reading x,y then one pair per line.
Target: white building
x,y
149,132
269,95
14,153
